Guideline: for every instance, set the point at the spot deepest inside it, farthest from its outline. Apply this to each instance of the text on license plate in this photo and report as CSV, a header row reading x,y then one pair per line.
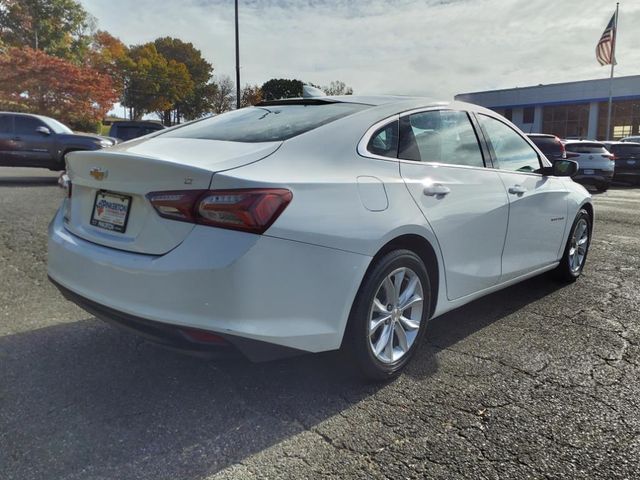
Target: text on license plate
x,y
589,172
111,211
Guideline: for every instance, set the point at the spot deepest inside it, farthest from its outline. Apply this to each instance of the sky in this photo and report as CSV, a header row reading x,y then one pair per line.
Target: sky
x,y
432,48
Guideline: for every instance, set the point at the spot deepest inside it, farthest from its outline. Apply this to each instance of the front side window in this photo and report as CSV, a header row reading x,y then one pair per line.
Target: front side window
x,y
512,152
442,136
384,141
27,125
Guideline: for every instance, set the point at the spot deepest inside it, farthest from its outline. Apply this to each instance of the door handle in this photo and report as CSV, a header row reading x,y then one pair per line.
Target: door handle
x,y
435,190
517,190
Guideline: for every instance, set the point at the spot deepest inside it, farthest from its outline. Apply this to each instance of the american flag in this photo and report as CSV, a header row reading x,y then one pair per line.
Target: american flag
x,y
605,47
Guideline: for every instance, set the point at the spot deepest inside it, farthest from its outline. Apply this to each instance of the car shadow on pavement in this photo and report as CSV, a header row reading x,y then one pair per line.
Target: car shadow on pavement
x,y
82,399
28,181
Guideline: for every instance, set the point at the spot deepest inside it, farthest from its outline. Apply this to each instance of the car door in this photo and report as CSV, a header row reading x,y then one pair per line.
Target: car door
x,y
443,166
537,204
7,142
34,148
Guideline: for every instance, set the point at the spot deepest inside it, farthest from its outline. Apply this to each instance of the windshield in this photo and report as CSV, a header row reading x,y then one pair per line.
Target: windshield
x,y
56,126
585,147
266,124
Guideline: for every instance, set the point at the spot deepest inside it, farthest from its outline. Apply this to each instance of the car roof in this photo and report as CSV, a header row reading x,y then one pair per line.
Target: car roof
x,y
21,114
136,123
541,135
395,102
583,141
613,142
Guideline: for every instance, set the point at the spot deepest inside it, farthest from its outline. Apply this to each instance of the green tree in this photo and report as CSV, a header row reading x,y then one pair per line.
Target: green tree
x,y
278,88
61,28
199,101
152,83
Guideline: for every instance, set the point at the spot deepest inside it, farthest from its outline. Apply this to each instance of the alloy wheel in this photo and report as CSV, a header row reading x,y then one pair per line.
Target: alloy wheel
x,y
579,244
395,315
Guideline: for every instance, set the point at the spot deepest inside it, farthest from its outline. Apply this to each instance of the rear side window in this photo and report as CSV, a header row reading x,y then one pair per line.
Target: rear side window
x,y
547,145
6,124
585,147
271,123
511,150
443,136
384,141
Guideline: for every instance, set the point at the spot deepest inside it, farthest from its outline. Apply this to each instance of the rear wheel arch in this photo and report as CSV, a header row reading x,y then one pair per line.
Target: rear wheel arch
x,y
421,247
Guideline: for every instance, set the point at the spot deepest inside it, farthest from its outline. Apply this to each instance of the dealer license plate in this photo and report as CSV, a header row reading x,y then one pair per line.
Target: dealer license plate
x,y
111,211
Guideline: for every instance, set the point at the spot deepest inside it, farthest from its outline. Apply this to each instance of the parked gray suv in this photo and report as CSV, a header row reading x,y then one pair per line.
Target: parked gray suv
x,y
36,141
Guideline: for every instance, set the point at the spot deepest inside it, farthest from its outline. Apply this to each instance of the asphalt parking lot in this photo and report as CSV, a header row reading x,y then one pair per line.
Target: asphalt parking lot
x,y
537,381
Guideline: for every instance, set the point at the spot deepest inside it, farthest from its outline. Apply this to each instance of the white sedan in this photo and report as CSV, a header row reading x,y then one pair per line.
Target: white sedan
x,y
307,225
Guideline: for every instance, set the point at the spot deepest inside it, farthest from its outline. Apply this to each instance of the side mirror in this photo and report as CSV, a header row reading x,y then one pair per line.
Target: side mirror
x,y
565,168
43,130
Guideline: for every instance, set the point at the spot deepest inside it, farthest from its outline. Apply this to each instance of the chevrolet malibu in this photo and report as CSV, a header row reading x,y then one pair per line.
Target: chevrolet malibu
x,y
308,225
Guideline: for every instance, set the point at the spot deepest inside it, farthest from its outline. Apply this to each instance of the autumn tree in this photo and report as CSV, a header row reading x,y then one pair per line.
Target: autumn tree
x,y
278,88
152,83
61,28
250,95
224,97
337,87
200,100
34,82
108,55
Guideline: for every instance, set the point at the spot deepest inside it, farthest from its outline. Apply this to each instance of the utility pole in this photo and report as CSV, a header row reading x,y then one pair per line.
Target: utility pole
x,y
237,61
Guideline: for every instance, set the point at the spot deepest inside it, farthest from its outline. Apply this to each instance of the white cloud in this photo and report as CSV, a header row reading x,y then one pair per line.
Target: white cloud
x,y
430,48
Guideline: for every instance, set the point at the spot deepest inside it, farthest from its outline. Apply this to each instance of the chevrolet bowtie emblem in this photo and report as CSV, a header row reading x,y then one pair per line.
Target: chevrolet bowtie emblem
x,y
98,173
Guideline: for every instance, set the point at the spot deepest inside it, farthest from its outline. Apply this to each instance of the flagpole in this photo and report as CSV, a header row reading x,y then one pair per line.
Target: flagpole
x,y
613,62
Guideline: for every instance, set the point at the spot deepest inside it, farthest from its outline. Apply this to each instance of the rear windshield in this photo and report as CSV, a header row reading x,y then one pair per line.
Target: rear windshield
x,y
585,147
622,149
267,123
547,144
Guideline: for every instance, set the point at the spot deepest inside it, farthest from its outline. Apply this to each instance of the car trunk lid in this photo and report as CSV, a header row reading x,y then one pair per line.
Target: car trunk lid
x,y
108,205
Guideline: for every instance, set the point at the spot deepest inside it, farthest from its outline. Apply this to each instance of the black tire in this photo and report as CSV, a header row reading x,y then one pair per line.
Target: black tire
x,y
603,187
357,335
563,271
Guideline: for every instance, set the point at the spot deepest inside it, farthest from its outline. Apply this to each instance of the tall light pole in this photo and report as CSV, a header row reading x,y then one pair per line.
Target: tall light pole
x,y
237,61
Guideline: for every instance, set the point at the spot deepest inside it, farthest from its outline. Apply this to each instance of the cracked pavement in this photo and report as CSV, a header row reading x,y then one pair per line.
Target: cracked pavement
x,y
537,381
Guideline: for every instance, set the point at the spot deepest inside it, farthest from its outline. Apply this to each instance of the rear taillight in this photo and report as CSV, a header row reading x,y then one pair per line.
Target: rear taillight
x,y
249,210
610,156
571,155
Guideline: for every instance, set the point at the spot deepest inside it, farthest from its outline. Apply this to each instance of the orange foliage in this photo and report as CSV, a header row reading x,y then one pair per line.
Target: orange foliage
x,y
32,81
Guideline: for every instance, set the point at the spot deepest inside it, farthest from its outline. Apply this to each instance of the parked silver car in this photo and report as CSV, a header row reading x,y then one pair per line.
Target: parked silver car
x,y
597,164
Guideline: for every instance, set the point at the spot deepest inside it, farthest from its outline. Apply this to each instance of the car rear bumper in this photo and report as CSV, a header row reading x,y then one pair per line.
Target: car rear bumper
x,y
238,285
584,175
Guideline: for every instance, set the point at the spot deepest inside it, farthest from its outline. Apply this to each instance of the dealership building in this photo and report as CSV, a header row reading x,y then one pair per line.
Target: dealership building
x,y
568,110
